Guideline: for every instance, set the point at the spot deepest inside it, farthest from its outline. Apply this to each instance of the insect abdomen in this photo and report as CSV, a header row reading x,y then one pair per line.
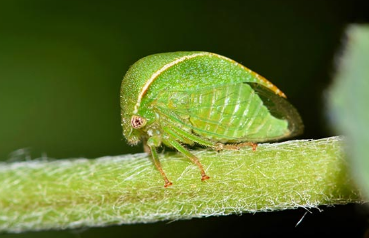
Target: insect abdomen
x,y
233,113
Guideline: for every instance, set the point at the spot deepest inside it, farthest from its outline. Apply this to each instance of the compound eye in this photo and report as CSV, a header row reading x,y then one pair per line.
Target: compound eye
x,y
138,122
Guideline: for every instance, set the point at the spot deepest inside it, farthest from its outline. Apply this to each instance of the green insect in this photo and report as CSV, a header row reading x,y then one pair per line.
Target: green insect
x,y
187,98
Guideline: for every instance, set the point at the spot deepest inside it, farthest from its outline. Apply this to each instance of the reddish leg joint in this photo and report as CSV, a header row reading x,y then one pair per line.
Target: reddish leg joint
x,y
204,177
167,183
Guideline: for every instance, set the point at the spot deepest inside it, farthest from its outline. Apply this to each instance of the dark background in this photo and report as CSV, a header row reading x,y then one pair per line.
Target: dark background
x,y
62,62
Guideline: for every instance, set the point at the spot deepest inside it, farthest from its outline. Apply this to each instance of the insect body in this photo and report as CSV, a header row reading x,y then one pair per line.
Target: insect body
x,y
204,98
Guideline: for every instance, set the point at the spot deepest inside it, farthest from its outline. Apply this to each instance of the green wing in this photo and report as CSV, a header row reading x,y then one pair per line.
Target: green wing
x,y
231,113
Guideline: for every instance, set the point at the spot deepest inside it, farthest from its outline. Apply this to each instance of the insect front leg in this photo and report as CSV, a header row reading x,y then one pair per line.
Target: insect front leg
x,y
146,147
152,143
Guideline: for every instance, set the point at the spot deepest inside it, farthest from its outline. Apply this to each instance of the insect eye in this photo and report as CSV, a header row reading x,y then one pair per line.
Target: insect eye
x,y
137,122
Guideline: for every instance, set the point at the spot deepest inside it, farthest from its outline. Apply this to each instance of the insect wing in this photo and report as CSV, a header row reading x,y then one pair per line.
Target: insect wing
x,y
229,113
280,108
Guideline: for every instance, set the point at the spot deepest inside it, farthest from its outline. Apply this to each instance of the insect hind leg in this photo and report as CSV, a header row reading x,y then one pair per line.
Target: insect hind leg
x,y
220,146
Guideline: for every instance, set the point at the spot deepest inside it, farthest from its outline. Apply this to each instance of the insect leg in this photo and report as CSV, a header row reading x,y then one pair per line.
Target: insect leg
x,y
152,143
146,147
252,144
216,146
183,133
184,151
220,146
193,137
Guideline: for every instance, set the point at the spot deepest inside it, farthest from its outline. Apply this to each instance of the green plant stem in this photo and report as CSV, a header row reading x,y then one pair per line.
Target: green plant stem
x,y
61,194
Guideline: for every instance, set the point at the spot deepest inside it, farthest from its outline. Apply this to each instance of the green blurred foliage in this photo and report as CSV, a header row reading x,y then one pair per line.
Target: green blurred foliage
x,y
61,65
349,99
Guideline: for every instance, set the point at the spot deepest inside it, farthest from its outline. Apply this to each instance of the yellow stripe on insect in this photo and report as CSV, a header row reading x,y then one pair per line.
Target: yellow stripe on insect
x,y
267,83
160,71
181,59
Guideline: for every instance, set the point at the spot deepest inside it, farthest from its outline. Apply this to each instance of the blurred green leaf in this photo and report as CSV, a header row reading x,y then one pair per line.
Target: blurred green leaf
x,y
349,99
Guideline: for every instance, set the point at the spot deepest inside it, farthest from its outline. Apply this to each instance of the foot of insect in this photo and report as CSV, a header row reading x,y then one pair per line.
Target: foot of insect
x,y
167,184
220,146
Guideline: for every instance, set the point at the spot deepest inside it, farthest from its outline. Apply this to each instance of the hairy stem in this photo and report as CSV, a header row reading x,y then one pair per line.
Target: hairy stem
x,y
69,193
